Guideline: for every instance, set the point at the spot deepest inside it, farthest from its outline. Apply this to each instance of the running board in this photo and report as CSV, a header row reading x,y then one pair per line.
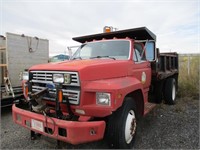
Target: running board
x,y
148,107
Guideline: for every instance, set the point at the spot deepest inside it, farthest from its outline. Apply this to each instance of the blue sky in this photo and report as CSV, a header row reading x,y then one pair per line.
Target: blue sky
x,y
175,22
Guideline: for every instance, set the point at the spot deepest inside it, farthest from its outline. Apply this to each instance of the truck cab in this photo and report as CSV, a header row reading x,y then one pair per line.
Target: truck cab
x,y
112,79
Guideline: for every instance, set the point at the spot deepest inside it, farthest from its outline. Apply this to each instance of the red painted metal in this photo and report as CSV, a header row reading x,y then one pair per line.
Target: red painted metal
x,y
77,132
118,77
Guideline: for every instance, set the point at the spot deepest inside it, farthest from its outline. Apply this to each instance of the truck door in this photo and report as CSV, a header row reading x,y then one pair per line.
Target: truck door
x,y
141,68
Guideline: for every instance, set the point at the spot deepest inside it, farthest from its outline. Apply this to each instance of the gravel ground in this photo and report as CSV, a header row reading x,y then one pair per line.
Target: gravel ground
x,y
165,127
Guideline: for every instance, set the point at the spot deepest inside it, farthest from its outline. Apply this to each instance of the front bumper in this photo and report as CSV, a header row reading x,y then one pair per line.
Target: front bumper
x,y
76,132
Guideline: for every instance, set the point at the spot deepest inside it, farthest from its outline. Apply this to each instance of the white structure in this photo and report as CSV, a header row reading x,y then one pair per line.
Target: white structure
x,y
19,52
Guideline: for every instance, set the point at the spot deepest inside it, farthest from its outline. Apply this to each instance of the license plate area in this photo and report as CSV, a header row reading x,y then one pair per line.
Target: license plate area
x,y
37,125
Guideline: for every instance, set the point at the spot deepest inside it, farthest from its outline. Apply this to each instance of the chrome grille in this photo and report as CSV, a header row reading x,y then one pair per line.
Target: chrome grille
x,y
47,77
40,79
73,95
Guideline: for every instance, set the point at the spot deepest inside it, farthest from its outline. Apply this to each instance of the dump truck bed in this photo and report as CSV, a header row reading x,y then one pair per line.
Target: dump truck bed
x,y
165,66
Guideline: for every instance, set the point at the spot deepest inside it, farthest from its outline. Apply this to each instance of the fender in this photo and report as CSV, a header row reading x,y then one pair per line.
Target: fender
x,y
118,87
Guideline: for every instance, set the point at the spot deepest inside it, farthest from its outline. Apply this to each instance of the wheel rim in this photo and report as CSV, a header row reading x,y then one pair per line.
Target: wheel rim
x,y
130,127
173,92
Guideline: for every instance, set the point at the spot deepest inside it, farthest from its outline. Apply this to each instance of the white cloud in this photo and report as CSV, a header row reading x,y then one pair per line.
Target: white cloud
x,y
174,22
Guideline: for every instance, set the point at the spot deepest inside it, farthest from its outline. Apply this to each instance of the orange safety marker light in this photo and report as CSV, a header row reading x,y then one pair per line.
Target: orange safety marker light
x,y
107,29
60,96
26,90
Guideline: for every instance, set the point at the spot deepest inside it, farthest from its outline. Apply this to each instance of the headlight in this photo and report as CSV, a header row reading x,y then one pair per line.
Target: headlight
x,y
25,75
103,99
58,78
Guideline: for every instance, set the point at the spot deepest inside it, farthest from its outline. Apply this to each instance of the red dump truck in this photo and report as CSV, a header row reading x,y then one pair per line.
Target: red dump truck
x,y
111,80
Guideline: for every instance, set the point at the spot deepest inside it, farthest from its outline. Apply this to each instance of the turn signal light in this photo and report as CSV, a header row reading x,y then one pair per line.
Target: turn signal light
x,y
60,95
25,90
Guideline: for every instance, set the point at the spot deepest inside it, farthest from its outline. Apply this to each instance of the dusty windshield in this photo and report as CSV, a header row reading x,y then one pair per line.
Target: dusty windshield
x,y
115,49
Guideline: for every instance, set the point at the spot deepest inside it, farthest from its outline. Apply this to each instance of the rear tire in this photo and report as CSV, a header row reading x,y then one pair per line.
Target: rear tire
x,y
170,91
121,128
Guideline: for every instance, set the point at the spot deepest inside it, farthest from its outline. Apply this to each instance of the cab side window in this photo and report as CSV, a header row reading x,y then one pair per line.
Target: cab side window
x,y
139,54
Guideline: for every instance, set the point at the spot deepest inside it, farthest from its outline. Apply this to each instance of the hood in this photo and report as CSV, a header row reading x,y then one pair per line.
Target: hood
x,y
90,69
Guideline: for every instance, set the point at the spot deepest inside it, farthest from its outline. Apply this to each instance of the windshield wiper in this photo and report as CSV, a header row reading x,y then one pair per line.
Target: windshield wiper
x,y
76,58
103,57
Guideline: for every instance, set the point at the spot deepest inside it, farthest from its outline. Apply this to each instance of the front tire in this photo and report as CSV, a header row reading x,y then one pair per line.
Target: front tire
x,y
121,129
170,91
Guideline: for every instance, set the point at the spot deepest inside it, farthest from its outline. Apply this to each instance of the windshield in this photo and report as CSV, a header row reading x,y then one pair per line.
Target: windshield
x,y
115,49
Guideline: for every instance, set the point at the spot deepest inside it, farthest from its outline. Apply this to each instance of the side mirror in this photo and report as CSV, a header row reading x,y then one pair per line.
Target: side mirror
x,y
150,51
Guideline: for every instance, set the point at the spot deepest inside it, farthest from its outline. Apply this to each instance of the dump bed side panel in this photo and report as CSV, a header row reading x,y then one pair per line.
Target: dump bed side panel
x,y
165,66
